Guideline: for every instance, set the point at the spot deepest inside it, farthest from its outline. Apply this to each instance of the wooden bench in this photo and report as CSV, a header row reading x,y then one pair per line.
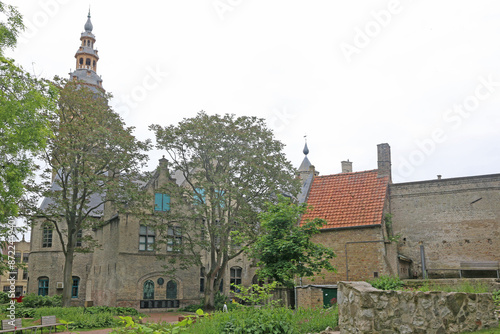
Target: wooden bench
x,y
47,322
7,326
486,265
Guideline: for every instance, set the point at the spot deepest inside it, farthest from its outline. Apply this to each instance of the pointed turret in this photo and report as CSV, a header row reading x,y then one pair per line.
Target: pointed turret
x,y
87,58
306,174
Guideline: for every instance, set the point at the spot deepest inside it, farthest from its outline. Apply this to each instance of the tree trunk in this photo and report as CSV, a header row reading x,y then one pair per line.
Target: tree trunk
x,y
209,299
68,277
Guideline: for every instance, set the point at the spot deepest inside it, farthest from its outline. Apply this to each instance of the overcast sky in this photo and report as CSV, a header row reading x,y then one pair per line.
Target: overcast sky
x,y
423,76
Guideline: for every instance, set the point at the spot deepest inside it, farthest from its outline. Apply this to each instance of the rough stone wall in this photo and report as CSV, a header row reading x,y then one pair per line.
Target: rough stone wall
x,y
364,309
456,220
366,254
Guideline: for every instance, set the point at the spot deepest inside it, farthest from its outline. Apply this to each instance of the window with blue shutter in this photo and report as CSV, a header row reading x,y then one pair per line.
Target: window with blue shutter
x,y
162,202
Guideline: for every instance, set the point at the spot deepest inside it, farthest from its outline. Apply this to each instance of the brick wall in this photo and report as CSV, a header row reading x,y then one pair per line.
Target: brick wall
x,y
454,219
366,254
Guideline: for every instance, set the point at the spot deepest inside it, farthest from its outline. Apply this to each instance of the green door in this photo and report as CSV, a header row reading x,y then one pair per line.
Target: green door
x,y
329,297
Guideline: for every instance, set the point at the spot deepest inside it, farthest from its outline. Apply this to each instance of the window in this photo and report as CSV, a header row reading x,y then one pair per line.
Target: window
x,y
146,238
25,273
47,237
174,239
235,277
81,61
18,290
6,288
199,196
26,257
149,290
87,61
17,257
162,202
79,236
74,287
14,273
171,290
202,279
43,286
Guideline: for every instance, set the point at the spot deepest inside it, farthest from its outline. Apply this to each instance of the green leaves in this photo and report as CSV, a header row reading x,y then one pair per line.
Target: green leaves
x,y
285,249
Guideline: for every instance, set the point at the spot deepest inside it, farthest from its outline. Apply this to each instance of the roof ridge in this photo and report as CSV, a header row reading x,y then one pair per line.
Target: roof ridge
x,y
349,173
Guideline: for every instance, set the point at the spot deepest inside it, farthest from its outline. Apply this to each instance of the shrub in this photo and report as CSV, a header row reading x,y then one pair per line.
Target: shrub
x,y
4,297
266,320
35,301
191,308
387,283
496,297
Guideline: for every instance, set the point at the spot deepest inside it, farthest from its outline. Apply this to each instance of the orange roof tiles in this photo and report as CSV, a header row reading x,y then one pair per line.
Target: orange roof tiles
x,y
347,199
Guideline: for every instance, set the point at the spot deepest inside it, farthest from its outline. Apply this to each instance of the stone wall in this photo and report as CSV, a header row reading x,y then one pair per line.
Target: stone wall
x,y
364,309
456,220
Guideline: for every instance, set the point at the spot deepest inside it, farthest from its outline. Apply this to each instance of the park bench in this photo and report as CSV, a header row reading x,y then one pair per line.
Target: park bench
x,y
48,322
7,326
474,265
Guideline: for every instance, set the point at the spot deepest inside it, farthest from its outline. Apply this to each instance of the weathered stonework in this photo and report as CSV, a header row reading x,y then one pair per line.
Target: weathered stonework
x,y
364,309
455,220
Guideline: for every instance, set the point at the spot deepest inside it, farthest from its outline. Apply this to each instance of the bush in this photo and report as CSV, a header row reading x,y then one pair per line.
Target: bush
x,y
4,297
35,301
191,308
496,297
266,320
387,283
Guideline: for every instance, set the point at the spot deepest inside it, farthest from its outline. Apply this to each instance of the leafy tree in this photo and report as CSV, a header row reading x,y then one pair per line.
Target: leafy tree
x,y
230,166
284,249
23,126
92,159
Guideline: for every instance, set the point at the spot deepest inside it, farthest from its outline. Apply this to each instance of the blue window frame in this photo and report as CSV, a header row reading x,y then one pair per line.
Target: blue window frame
x,y
162,202
74,287
43,286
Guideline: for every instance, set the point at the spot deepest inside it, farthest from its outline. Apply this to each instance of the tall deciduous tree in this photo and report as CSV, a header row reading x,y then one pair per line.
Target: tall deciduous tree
x,y
93,159
230,166
23,125
284,249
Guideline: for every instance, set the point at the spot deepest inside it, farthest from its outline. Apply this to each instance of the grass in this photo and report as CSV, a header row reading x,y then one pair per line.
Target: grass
x,y
487,331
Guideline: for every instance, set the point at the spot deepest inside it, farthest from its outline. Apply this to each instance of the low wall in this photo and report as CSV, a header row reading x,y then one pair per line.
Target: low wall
x,y
364,309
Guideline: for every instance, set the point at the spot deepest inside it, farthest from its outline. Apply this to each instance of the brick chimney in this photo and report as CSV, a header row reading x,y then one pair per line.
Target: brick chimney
x,y
346,166
384,160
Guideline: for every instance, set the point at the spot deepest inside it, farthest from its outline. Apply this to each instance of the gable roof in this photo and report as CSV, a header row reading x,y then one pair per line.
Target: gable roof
x,y
347,199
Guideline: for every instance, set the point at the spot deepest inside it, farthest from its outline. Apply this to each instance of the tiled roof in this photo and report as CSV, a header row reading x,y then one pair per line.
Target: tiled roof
x,y
347,199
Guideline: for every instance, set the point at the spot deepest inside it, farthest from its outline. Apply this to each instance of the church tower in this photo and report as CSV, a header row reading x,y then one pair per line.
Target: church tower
x,y
86,60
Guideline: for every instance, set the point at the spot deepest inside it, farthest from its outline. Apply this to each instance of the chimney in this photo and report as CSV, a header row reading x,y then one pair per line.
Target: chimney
x,y
384,160
346,166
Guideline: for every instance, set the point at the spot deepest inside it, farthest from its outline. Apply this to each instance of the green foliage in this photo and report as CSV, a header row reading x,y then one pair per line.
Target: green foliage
x,y
387,283
389,230
232,166
220,299
157,328
191,308
35,301
4,297
496,298
254,294
266,320
284,249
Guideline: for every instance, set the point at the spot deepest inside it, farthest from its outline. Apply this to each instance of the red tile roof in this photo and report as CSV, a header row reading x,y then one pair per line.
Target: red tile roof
x,y
347,199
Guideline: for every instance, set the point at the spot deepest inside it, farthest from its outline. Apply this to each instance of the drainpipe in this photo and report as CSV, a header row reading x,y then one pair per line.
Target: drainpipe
x,y
422,257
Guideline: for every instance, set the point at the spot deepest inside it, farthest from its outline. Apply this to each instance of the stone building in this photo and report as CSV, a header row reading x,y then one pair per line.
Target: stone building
x,y
21,254
437,228
125,270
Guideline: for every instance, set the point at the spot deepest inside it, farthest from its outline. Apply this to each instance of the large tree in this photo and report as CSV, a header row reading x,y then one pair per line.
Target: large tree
x,y
23,125
230,167
92,159
285,249
23,128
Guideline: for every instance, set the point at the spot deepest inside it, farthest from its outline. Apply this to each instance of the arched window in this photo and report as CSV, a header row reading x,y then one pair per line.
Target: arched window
x,y
43,286
235,277
149,290
81,60
93,63
74,288
87,61
171,290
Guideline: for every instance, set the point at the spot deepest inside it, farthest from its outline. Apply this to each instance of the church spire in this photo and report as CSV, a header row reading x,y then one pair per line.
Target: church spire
x,y
87,58
304,166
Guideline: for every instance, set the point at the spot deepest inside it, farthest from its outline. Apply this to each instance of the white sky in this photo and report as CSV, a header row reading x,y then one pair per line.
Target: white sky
x,y
405,66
